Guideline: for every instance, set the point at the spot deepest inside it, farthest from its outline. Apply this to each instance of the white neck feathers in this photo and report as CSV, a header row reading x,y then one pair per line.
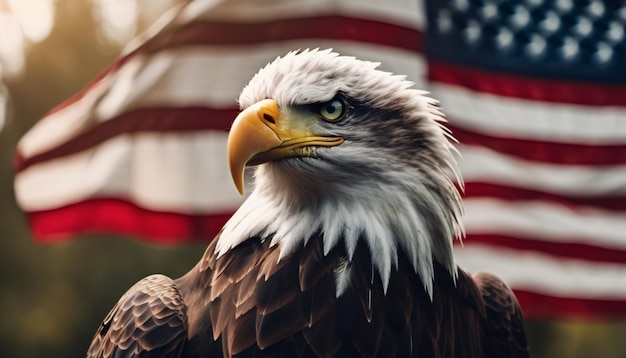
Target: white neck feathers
x,y
386,217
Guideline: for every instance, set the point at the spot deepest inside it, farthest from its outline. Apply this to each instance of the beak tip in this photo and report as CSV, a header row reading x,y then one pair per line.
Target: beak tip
x,y
239,188
237,174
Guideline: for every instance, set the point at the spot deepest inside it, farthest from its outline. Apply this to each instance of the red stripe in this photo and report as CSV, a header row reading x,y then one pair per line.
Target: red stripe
x,y
207,33
608,201
570,250
541,151
538,306
121,217
531,88
142,120
330,27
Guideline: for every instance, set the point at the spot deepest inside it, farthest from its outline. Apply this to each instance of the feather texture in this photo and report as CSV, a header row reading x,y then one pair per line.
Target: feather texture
x,y
344,254
291,310
148,321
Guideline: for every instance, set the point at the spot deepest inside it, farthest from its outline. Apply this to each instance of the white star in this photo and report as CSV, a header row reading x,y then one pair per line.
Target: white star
x,y
570,48
596,8
520,18
504,38
489,11
444,21
615,33
583,27
551,23
537,46
473,31
564,6
604,53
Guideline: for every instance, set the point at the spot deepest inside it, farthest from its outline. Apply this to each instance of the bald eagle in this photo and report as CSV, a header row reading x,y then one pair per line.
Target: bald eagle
x,y
344,246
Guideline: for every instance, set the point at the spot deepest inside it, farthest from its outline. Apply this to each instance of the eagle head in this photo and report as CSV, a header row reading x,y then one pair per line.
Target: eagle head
x,y
345,152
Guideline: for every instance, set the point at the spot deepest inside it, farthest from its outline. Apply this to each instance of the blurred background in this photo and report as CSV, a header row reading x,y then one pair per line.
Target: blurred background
x,y
54,296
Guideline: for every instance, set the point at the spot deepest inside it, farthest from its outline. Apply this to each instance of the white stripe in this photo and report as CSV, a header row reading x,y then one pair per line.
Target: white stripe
x,y
175,172
198,76
478,164
408,13
544,274
214,76
546,221
518,118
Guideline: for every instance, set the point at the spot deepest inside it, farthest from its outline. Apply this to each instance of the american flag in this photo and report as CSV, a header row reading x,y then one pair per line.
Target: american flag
x,y
535,91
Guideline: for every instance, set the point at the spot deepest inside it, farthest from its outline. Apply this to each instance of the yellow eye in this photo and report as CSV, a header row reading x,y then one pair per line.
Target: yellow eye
x,y
333,110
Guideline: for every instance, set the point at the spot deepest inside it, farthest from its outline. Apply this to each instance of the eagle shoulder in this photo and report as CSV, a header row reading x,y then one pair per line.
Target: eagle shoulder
x,y
504,322
148,321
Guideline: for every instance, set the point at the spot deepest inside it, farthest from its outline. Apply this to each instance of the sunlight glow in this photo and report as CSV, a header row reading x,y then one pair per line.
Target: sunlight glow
x,y
35,17
117,18
11,46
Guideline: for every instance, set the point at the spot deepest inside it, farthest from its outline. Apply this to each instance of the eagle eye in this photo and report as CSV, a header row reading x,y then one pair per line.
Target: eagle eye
x,y
334,109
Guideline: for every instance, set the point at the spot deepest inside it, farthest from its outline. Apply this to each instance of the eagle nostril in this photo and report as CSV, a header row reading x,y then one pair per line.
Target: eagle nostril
x,y
269,118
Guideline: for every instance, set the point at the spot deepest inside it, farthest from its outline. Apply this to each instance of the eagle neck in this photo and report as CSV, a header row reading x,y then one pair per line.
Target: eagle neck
x,y
390,221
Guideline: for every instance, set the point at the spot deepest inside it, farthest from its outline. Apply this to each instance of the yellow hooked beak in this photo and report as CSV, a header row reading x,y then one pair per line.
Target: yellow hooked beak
x,y
260,134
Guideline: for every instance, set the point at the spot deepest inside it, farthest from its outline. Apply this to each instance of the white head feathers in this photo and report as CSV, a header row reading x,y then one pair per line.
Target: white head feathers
x,y
386,184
